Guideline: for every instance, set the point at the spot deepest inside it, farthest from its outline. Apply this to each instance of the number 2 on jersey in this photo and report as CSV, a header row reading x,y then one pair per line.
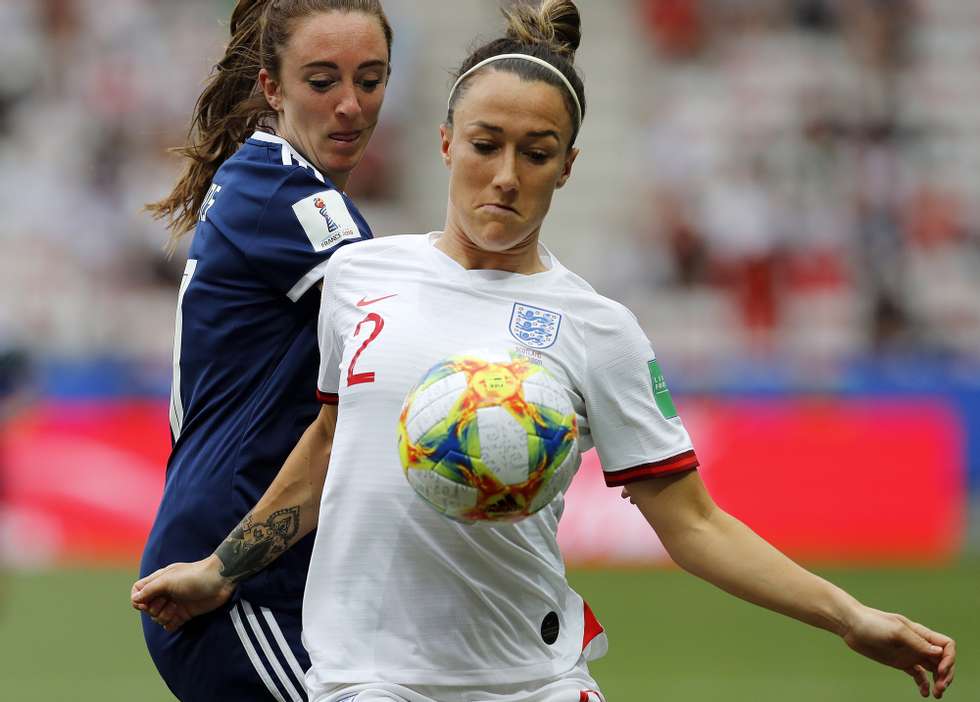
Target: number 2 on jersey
x,y
367,376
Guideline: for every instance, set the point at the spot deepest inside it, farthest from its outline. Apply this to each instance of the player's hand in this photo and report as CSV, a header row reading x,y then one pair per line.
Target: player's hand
x,y
900,643
175,594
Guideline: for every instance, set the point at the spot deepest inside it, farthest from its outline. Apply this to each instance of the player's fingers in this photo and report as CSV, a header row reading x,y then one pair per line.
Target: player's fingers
x,y
155,606
176,616
153,584
146,588
941,685
173,616
948,660
921,678
142,582
166,614
926,653
943,677
928,634
161,585
138,592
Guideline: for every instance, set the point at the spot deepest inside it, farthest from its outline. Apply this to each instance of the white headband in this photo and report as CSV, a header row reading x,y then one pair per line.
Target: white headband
x,y
532,59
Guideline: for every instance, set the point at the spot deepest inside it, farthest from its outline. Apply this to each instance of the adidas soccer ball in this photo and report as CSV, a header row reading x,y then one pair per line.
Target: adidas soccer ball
x,y
488,437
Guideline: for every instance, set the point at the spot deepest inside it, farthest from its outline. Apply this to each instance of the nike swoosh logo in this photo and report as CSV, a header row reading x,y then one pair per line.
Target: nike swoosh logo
x,y
364,302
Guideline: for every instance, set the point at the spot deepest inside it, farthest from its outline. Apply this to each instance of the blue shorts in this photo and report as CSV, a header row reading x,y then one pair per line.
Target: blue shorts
x,y
240,652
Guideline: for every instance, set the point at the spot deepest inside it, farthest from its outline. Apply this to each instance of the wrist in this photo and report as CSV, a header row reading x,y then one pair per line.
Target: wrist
x,y
843,613
215,568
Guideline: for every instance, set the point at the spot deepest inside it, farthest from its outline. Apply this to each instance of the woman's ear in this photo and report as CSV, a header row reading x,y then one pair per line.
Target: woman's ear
x,y
271,89
446,136
566,171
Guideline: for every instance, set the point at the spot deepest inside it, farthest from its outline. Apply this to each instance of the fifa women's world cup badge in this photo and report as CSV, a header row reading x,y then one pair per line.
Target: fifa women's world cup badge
x,y
322,206
533,326
326,219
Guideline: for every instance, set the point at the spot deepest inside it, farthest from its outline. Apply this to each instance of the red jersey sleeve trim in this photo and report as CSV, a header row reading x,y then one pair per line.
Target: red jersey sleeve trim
x,y
676,464
327,398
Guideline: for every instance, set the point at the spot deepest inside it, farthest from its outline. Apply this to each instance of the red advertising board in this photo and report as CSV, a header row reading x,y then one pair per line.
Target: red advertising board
x,y
81,481
862,480
828,480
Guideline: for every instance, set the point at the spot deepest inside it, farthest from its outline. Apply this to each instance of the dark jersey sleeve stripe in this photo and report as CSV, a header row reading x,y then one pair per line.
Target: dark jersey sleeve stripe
x,y
676,464
327,398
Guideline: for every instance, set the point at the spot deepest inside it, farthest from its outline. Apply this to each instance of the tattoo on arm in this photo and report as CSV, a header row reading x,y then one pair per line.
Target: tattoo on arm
x,y
251,546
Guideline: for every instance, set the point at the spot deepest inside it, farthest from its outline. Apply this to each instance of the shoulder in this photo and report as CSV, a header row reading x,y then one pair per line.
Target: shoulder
x,y
399,247
605,327
590,307
377,258
265,179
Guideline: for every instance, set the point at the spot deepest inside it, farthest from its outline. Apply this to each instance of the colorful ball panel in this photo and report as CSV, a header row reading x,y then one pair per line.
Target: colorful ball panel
x,y
488,437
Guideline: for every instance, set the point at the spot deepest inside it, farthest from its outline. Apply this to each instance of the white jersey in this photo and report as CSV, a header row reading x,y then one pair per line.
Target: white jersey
x,y
399,593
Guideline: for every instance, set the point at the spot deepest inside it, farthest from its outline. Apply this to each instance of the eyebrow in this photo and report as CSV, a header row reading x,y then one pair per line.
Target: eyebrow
x,y
375,63
499,130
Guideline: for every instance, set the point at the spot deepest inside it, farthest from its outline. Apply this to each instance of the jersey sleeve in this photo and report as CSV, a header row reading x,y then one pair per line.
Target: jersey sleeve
x,y
631,416
287,229
331,350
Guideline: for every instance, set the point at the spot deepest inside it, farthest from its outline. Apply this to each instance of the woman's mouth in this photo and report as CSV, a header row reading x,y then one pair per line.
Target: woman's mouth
x,y
497,208
345,137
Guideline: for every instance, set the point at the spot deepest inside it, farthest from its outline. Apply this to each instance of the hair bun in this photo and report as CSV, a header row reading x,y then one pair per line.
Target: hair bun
x,y
554,22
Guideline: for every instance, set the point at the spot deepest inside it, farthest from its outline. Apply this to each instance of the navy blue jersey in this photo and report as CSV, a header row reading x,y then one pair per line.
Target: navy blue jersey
x,y
245,353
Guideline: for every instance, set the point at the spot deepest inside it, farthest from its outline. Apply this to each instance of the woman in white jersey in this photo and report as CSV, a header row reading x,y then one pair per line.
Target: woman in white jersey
x,y
402,604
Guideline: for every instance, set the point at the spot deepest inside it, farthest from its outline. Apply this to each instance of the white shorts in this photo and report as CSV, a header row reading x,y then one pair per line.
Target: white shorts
x,y
574,686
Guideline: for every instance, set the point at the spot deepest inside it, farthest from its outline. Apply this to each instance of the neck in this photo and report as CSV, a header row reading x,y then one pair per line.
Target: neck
x,y
523,258
338,179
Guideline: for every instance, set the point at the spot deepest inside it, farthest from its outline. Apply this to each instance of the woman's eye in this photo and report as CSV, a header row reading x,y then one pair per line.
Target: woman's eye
x,y
484,147
537,156
321,85
370,85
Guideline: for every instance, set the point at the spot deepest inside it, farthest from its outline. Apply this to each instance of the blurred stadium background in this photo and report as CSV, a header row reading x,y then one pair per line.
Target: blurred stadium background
x,y
784,191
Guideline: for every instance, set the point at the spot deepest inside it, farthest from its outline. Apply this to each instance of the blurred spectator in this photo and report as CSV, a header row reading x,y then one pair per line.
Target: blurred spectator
x,y
878,30
740,221
798,136
815,15
676,26
796,153
882,189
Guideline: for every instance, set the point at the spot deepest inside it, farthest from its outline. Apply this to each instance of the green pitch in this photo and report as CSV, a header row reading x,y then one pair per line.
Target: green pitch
x,y
69,636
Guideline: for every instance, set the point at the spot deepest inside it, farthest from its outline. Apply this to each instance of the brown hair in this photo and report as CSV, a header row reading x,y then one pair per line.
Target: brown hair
x,y
552,32
231,106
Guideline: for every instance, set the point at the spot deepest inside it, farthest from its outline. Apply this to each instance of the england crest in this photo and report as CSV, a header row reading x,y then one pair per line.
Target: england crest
x,y
533,326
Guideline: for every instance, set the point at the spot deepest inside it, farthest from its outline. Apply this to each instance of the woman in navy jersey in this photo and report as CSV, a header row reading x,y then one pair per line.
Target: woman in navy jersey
x,y
404,605
284,118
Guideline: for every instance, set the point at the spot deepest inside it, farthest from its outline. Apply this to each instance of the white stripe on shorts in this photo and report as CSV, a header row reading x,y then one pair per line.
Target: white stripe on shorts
x,y
287,652
253,655
253,621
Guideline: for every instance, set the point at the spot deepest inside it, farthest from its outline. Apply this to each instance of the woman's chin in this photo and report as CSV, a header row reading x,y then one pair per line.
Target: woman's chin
x,y
339,166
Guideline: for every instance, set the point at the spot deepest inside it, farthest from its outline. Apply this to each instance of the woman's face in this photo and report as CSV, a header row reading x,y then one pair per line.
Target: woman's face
x,y
330,89
507,152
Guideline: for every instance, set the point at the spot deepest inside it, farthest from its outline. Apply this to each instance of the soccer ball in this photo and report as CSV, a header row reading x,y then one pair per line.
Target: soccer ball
x,y
488,437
